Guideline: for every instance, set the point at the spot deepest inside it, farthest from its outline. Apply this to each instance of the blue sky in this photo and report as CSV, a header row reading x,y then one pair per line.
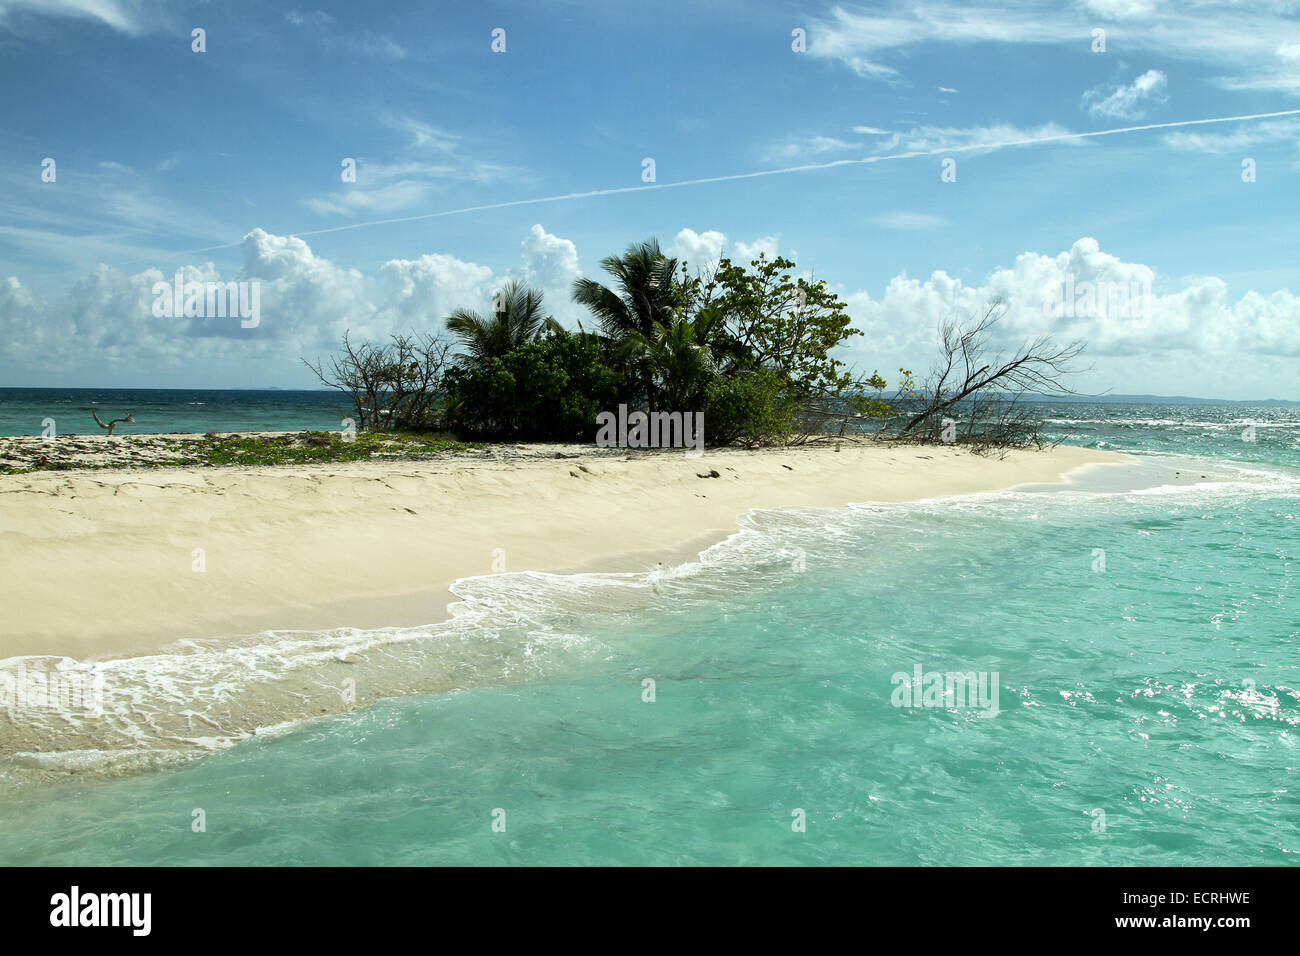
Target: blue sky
x,y
226,164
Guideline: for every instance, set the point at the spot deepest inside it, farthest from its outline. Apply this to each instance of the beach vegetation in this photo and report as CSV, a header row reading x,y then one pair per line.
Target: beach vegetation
x,y
754,347
316,447
550,389
976,392
767,318
215,450
750,408
393,386
516,320
645,291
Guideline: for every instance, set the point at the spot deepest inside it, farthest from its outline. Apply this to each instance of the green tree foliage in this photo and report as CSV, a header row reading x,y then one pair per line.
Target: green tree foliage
x,y
550,389
749,408
752,346
766,317
678,361
517,319
645,291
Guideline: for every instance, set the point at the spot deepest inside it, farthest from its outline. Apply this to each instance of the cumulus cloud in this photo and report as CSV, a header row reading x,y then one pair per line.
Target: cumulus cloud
x,y
767,245
1128,102
306,299
549,261
104,329
700,250
421,292
1195,317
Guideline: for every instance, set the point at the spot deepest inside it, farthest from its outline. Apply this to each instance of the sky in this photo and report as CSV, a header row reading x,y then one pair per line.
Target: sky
x,y
923,158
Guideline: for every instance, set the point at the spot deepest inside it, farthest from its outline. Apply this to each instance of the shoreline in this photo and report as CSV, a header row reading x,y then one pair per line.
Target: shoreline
x,y
327,587
106,563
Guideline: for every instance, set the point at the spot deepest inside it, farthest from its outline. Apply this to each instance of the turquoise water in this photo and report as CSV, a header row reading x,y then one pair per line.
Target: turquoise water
x,y
23,411
1159,689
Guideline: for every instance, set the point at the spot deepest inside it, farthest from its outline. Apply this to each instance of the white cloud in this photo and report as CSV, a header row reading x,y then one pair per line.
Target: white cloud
x,y
1262,133
365,42
1238,39
1121,9
422,292
383,188
380,200
700,250
423,135
975,138
103,331
305,299
747,251
933,139
1128,102
550,262
125,16
812,146
1193,318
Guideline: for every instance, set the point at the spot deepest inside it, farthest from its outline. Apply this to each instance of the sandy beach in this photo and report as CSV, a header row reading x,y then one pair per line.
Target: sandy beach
x,y
124,562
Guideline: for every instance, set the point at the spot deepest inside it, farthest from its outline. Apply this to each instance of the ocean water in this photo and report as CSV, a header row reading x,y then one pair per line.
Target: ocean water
x,y
23,411
1134,695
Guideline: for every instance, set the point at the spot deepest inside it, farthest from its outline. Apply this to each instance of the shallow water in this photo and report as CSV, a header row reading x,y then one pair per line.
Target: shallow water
x,y
1139,628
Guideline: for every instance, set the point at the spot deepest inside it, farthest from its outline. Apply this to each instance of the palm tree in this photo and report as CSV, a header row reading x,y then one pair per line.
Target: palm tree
x,y
678,359
517,320
644,291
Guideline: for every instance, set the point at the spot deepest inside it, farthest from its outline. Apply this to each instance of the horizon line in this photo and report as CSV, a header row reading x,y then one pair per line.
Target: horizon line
x,y
1078,398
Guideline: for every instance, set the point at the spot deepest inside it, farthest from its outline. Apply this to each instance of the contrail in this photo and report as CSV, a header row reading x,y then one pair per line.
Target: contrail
x,y
733,177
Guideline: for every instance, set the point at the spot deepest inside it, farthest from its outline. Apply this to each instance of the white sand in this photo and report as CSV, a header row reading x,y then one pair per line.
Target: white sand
x,y
100,563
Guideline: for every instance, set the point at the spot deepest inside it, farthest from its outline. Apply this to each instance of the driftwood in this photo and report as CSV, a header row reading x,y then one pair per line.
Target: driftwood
x,y
392,386
982,391
113,422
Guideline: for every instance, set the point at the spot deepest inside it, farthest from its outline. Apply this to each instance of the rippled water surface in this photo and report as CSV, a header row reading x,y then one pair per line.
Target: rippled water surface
x,y
1143,647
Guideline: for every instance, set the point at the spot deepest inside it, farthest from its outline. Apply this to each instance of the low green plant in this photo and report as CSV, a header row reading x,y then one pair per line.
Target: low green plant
x,y
749,409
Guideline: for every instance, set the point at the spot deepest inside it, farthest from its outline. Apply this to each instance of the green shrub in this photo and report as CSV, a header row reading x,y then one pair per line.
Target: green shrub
x,y
748,409
548,390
